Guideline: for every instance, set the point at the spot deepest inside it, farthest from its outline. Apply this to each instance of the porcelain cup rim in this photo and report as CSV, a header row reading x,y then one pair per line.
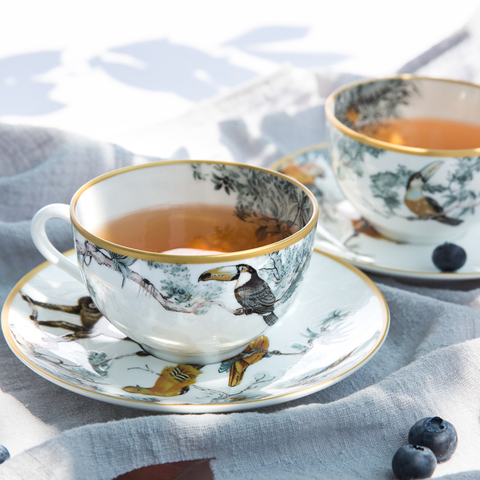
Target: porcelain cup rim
x,y
366,140
194,259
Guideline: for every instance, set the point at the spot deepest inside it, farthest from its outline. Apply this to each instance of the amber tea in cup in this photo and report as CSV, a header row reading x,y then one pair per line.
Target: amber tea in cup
x,y
422,132
193,229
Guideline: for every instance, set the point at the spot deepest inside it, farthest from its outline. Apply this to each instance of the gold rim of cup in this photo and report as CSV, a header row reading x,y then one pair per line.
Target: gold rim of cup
x,y
193,259
390,146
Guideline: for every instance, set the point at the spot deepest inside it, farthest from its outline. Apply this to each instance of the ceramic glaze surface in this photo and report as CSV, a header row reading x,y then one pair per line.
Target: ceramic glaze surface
x,y
339,321
196,308
193,312
408,194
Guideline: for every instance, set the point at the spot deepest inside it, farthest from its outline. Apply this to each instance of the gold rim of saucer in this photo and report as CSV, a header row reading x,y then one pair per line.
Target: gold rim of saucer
x,y
390,146
13,343
193,259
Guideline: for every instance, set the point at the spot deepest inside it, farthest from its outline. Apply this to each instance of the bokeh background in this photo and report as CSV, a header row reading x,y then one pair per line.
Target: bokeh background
x,y
112,70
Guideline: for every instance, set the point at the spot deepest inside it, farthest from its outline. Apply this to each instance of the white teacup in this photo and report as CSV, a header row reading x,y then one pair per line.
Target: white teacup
x,y
205,306
411,187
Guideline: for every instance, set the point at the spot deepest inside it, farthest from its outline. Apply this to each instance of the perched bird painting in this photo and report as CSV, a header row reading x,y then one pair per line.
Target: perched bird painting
x,y
251,292
172,381
421,205
238,365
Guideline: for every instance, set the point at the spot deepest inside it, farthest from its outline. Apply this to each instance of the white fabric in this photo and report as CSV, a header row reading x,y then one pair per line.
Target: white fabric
x,y
429,364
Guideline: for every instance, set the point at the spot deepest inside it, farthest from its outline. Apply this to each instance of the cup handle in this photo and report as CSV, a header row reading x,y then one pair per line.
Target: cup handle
x,y
42,242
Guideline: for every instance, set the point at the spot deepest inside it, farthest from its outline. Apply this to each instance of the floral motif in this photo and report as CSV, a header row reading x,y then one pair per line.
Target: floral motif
x,y
455,195
373,101
121,264
362,105
390,187
458,191
270,202
352,153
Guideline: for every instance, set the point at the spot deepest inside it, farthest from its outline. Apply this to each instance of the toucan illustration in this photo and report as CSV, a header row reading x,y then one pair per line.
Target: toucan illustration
x,y
421,205
251,292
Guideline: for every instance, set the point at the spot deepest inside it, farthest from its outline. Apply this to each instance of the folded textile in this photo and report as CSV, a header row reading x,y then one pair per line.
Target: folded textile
x,y
429,364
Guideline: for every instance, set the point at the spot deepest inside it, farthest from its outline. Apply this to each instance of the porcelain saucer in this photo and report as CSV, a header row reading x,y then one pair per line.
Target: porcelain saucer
x,y
338,322
342,232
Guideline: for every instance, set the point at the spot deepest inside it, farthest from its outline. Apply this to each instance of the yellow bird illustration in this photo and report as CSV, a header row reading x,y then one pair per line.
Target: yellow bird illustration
x,y
305,173
239,364
173,381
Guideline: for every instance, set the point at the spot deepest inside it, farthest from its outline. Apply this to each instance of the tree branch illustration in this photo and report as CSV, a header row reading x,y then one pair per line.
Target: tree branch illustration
x,y
295,276
234,396
448,210
77,373
89,251
335,316
226,364
459,206
454,207
275,271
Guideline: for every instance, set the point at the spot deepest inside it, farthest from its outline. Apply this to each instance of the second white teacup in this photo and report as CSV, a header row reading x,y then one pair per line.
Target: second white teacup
x,y
406,153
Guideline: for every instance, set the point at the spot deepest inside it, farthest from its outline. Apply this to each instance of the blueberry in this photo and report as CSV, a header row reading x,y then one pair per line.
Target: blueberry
x,y
449,257
437,434
4,454
413,461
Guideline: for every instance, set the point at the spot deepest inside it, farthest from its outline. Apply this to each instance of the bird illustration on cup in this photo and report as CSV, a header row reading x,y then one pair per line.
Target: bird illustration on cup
x,y
251,292
421,205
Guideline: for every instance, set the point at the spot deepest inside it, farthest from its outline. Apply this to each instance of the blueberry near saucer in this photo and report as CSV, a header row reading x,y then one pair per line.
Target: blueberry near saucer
x,y
413,461
449,257
437,434
4,454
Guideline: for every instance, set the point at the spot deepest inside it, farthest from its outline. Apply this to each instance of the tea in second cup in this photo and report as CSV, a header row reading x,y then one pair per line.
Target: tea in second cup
x,y
406,153
191,259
